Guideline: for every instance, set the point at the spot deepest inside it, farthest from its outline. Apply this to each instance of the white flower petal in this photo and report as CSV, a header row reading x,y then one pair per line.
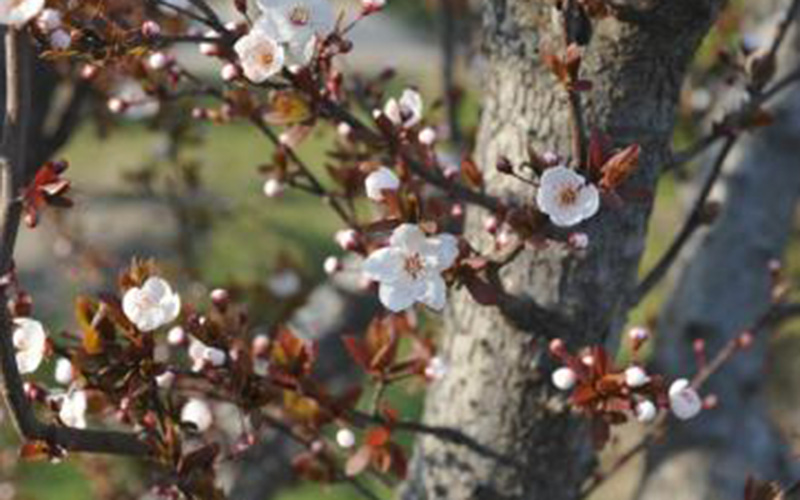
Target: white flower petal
x,y
197,412
156,288
441,251
171,308
19,13
385,265
379,181
435,295
408,237
30,340
396,298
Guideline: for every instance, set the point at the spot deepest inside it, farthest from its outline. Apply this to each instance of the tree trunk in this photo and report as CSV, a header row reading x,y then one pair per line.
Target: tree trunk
x,y
723,290
497,389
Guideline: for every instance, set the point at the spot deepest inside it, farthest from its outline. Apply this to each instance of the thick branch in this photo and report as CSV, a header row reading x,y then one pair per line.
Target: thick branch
x,y
12,172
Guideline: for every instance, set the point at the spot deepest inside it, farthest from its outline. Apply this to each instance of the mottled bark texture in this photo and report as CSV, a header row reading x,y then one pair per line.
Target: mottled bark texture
x,y
497,389
722,290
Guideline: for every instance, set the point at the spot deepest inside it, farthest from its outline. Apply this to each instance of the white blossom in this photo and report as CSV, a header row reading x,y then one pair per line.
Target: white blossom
x,y
566,197
684,400
151,306
260,54
410,269
405,112
564,378
17,13
73,409
345,438
64,373
646,411
635,377
202,355
197,412
30,341
382,179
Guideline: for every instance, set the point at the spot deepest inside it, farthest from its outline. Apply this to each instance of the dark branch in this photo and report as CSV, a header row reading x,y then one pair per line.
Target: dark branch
x,y
12,173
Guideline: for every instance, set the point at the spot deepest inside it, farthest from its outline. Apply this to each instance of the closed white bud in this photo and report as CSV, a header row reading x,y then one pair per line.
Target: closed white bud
x,y
635,377
684,400
158,61
332,265
646,411
60,39
63,373
564,378
427,136
345,438
273,188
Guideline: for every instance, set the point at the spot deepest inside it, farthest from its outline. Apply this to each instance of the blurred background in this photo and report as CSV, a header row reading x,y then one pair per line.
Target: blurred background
x,y
197,205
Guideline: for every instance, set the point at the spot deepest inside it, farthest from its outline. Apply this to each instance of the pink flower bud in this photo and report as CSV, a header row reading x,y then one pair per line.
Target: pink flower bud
x,y
151,28
579,241
117,105
348,239
371,6
230,72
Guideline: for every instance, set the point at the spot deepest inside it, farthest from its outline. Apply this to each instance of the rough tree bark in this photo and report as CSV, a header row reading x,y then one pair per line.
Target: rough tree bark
x,y
722,290
497,389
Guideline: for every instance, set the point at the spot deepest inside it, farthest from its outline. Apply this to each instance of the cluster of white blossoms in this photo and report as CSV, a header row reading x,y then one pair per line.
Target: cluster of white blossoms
x,y
566,197
287,33
410,269
151,306
684,401
30,341
18,13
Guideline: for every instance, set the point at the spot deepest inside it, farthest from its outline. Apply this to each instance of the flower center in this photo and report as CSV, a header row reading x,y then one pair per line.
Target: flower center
x,y
414,265
266,57
146,302
300,15
568,195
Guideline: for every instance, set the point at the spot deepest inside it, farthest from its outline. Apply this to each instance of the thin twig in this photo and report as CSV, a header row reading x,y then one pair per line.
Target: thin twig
x,y
693,222
446,434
